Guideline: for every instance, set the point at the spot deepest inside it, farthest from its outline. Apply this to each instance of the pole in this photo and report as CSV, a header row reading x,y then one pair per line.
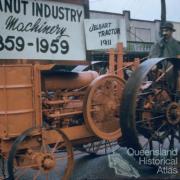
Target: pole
x,y
163,12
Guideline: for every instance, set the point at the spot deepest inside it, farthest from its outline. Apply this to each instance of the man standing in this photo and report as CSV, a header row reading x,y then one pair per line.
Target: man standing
x,y
167,46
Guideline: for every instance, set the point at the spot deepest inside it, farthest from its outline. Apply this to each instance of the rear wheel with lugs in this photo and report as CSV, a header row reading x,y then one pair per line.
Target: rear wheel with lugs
x,y
3,168
150,109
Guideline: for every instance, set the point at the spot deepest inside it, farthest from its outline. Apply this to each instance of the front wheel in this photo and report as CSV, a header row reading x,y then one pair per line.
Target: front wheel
x,y
31,157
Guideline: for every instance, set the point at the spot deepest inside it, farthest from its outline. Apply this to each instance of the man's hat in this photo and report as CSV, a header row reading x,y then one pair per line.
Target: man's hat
x,y
168,25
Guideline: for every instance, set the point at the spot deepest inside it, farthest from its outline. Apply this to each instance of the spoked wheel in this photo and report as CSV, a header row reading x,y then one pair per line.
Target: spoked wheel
x,y
101,106
150,109
32,157
99,147
3,168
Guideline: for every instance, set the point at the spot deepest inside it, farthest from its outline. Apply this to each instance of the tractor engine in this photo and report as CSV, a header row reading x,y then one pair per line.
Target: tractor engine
x,y
62,97
82,99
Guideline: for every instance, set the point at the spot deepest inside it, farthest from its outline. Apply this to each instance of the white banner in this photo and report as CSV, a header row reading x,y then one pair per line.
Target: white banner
x,y
41,29
101,33
104,33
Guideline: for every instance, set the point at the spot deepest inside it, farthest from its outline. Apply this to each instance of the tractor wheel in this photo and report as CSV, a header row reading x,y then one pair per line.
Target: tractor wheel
x,y
150,109
31,157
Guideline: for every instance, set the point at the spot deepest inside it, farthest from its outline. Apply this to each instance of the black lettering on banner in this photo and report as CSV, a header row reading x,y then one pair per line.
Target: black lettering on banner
x,y
66,12
52,30
106,42
91,29
37,44
73,15
39,26
64,46
54,46
20,27
1,43
28,25
55,12
79,13
11,23
39,9
33,9
43,28
16,6
44,45
9,43
109,32
20,43
8,5
24,6
61,32
95,27
47,11
61,13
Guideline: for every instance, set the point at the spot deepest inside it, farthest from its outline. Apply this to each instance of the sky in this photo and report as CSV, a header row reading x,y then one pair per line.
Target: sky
x,y
140,9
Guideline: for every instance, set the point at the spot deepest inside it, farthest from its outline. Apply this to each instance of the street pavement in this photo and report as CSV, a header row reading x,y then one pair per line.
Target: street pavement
x,y
115,166
118,165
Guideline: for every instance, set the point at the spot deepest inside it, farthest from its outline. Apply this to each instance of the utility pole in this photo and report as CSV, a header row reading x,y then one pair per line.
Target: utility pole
x,y
163,12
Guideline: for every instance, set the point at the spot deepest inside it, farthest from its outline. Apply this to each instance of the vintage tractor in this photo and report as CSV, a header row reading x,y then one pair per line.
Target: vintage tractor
x,y
45,113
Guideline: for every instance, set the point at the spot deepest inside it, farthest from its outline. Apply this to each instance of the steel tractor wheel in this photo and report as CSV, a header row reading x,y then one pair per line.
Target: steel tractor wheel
x,y
3,168
150,109
31,157
101,112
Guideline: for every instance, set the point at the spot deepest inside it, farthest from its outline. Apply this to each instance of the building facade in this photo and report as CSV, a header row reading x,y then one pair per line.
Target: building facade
x,y
140,34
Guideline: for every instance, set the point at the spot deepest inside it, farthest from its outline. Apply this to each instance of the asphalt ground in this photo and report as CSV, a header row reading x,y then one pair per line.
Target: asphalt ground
x,y
118,165
115,166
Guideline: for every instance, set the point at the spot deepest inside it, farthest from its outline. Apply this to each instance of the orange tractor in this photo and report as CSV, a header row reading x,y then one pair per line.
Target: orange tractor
x,y
45,113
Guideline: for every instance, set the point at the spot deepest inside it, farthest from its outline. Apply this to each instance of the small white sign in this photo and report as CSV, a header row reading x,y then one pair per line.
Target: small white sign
x,y
41,29
101,33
